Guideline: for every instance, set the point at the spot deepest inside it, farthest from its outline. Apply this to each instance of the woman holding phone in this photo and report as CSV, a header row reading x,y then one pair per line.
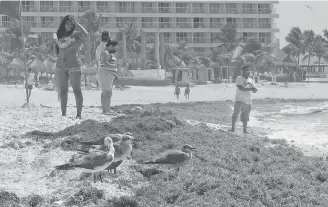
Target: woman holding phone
x,y
68,66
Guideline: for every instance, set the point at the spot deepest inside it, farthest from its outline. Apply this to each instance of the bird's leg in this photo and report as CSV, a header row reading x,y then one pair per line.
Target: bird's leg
x,y
114,170
94,177
100,177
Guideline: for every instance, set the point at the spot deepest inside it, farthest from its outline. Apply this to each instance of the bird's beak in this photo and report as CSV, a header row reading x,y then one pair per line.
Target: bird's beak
x,y
194,149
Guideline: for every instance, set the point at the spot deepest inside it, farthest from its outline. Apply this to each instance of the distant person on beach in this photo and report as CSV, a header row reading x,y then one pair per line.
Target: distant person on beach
x,y
243,103
30,82
68,66
187,92
177,91
107,73
304,74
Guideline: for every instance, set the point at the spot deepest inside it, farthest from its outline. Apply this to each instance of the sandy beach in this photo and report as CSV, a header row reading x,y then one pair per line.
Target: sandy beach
x,y
21,160
13,98
146,95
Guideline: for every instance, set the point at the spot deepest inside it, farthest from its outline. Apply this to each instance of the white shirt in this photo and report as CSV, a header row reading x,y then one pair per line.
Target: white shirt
x,y
244,96
100,48
30,78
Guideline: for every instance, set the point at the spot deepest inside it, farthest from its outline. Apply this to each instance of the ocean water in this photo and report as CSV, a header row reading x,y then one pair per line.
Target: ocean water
x,y
302,124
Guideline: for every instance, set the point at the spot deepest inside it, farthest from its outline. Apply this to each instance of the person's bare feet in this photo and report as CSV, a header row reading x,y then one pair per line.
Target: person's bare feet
x,y
245,132
231,130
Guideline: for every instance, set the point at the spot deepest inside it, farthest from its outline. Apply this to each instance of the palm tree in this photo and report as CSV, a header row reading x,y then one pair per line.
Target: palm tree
x,y
92,24
255,54
13,35
295,38
132,40
320,49
309,43
34,49
325,35
230,41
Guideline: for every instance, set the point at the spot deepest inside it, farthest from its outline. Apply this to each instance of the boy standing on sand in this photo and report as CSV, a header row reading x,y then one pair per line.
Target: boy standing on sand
x,y
30,81
243,103
186,92
177,91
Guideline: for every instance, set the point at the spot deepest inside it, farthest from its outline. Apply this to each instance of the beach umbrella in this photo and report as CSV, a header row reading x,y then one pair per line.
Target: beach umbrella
x,y
51,65
38,66
17,63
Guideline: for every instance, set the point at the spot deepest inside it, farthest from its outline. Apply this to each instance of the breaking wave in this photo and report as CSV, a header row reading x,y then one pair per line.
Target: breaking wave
x,y
303,110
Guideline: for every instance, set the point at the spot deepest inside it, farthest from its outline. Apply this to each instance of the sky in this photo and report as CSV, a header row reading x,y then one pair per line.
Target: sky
x,y
295,13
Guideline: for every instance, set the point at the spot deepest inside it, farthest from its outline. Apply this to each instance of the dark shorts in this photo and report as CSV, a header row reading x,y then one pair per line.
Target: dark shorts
x,y
243,109
30,86
69,69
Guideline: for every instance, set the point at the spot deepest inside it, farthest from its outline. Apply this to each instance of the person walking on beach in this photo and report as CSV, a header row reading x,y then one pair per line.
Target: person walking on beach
x,y
186,92
107,74
68,66
177,91
29,83
243,104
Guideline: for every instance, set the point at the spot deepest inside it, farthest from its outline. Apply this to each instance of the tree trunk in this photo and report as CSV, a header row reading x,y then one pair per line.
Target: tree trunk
x,y
157,50
89,49
257,77
85,80
309,59
131,54
137,59
124,47
162,50
229,70
143,49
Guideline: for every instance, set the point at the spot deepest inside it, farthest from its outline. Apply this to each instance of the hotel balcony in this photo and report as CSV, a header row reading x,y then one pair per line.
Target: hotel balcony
x,y
48,9
148,10
205,42
183,25
128,9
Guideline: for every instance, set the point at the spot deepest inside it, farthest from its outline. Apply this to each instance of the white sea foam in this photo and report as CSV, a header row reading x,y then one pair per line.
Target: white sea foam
x,y
297,110
300,124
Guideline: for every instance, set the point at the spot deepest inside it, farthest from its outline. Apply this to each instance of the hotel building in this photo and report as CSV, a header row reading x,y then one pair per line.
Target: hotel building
x,y
196,22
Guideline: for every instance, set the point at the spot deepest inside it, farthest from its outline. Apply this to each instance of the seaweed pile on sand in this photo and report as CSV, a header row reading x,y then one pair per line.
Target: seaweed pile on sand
x,y
227,169
34,164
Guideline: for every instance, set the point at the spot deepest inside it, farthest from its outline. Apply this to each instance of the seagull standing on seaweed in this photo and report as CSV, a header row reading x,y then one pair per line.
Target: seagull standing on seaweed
x,y
175,158
93,162
123,149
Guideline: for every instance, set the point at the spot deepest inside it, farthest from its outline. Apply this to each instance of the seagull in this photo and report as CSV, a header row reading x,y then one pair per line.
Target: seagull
x,y
175,158
308,7
92,162
100,140
122,150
